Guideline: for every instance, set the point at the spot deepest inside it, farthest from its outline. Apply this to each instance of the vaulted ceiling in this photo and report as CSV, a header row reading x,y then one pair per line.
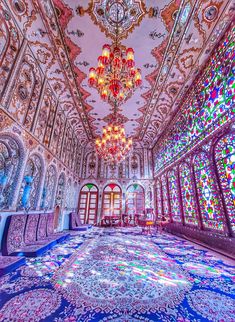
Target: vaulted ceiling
x,y
171,39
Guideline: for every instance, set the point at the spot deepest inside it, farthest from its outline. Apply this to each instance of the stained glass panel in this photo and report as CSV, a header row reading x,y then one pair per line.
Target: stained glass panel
x,y
225,161
209,202
174,196
187,193
207,106
165,200
159,199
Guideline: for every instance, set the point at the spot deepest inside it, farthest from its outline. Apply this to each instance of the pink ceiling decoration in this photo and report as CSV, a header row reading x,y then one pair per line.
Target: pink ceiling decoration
x,y
172,40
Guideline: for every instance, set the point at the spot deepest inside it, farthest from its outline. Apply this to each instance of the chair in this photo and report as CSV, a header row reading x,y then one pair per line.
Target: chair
x,y
146,225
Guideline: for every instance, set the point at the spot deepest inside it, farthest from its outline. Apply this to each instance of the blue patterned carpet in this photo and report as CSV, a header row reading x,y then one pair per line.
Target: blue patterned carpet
x,y
120,275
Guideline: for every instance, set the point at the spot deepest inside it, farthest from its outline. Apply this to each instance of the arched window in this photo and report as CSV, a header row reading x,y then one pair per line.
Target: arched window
x,y
112,200
49,188
60,190
165,200
225,162
30,188
135,199
188,195
159,199
210,207
88,203
174,196
10,164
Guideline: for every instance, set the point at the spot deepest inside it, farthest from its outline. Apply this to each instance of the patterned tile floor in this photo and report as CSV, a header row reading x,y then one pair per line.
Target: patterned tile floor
x,y
121,275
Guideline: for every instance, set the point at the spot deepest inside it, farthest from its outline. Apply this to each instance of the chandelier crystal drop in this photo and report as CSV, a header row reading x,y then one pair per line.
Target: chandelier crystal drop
x,y
115,77
113,146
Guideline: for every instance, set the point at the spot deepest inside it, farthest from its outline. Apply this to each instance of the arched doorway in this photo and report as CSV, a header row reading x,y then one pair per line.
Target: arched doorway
x,y
88,204
135,199
112,200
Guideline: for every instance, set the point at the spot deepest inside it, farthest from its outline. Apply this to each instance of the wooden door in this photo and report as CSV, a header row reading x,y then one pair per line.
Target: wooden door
x,y
112,201
88,204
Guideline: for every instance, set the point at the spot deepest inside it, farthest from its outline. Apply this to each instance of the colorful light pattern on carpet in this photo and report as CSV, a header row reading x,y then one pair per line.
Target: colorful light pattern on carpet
x,y
121,275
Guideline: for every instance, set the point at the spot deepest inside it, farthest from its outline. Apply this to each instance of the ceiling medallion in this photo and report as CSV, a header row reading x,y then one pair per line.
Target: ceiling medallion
x,y
103,14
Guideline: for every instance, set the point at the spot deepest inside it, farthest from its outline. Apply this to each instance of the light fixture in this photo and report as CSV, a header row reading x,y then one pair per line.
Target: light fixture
x,y
113,146
115,77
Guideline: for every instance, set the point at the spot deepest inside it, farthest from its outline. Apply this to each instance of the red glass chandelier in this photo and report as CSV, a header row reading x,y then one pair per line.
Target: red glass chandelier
x,y
113,146
115,77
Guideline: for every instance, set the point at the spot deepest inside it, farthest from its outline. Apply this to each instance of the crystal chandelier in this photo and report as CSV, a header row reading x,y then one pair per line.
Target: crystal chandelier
x,y
113,146
115,77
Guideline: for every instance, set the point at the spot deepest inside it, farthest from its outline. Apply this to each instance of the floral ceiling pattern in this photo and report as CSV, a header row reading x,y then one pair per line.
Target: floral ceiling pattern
x,y
172,40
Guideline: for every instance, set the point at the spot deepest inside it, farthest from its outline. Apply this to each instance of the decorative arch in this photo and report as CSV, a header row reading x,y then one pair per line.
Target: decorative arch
x,y
224,155
49,188
88,203
209,202
135,199
136,164
60,190
188,200
31,184
174,196
11,159
90,164
112,200
59,200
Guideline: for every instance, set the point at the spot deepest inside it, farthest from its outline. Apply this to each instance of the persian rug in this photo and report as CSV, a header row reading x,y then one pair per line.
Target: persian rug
x,y
121,275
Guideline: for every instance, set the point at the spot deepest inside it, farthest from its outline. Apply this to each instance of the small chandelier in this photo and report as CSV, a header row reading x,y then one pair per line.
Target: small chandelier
x,y
113,146
115,77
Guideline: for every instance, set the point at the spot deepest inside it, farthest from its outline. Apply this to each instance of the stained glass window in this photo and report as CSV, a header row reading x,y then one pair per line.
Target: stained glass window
x,y
174,196
211,211
135,201
187,193
165,200
207,106
159,199
225,161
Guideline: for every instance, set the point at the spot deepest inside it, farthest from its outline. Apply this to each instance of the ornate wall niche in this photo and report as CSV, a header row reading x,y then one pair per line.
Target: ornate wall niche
x,y
11,159
48,193
32,182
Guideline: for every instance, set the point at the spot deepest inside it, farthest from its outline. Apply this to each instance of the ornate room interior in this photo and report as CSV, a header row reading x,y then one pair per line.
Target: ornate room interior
x,y
117,160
